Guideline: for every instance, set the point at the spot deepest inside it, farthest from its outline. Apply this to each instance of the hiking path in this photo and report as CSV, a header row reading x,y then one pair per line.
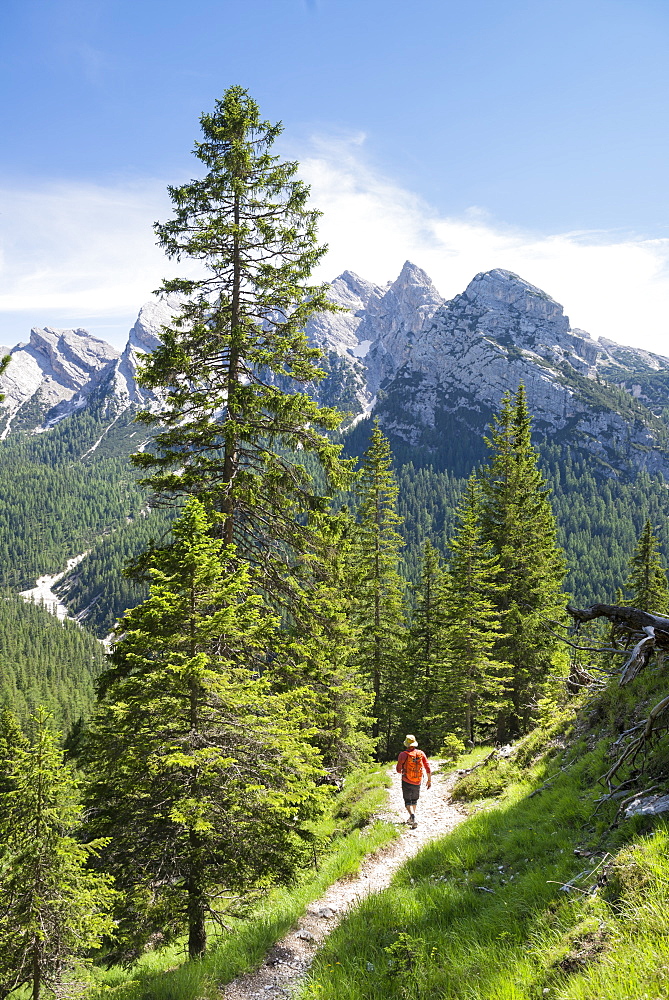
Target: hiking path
x,y
288,960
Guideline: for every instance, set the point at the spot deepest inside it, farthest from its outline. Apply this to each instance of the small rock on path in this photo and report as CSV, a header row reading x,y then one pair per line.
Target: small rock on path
x,y
286,963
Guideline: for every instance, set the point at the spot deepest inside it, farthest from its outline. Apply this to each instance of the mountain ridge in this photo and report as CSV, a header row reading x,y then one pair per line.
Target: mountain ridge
x,y
429,368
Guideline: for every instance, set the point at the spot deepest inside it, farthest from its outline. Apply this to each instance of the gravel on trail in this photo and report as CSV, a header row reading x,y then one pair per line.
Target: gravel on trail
x,y
287,961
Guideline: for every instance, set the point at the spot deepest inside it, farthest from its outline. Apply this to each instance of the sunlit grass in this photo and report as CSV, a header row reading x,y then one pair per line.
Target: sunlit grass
x,y
483,913
166,975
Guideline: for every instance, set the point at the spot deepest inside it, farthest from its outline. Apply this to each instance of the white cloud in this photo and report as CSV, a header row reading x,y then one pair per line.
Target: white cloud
x,y
88,252
611,286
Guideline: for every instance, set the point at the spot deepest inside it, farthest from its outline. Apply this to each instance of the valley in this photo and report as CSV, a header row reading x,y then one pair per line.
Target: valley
x,y
399,353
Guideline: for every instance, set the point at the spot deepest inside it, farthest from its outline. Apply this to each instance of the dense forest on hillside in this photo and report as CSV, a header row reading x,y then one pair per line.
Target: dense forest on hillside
x,y
599,517
98,591
45,662
56,500
53,506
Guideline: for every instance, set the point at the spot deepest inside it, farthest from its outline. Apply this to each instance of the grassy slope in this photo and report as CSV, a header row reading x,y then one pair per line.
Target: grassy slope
x,y
483,913
347,835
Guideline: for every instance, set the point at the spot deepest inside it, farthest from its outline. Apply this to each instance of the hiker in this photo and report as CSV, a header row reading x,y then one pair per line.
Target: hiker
x,y
410,764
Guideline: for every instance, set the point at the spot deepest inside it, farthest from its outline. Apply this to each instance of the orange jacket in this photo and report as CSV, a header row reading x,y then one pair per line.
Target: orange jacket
x,y
401,761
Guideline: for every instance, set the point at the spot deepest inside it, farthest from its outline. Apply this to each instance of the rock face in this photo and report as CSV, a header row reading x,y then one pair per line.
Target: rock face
x,y
393,322
432,370
444,366
336,335
59,371
51,369
144,337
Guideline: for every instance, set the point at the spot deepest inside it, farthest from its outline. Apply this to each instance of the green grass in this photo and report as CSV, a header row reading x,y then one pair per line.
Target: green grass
x,y
348,834
483,914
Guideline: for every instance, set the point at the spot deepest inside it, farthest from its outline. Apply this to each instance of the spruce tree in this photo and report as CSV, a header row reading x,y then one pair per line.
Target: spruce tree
x,y
233,364
324,658
426,650
200,776
52,908
474,683
520,525
648,578
379,608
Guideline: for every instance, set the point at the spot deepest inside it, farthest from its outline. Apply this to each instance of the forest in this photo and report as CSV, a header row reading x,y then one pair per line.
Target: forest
x,y
287,613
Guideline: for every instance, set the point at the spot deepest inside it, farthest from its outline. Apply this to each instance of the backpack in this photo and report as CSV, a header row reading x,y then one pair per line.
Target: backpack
x,y
413,767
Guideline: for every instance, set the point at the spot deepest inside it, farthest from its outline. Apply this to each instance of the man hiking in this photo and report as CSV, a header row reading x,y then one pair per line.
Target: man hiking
x,y
410,764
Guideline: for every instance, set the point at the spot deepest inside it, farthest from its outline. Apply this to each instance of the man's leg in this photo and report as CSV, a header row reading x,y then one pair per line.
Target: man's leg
x,y
407,795
413,806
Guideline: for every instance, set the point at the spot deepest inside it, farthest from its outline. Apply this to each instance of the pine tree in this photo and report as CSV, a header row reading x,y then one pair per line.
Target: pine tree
x,y
474,683
379,603
648,577
233,363
324,659
520,525
200,776
52,909
426,650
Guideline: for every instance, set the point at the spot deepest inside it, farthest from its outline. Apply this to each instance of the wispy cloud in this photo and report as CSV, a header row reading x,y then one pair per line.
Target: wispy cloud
x,y
80,246
87,252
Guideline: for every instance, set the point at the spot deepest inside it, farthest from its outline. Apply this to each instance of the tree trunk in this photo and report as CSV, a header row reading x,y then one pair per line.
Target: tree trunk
x,y
197,931
37,970
230,455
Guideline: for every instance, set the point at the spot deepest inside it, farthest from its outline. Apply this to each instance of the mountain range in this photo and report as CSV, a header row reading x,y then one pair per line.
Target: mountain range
x,y
433,370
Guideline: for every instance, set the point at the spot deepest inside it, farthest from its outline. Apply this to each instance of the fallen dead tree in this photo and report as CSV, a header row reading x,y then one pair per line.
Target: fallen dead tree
x,y
648,635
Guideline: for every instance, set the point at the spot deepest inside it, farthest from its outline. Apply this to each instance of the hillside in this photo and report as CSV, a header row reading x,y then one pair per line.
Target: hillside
x,y
46,662
548,889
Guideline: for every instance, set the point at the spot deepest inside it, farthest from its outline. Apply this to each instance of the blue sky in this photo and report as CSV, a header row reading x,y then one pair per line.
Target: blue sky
x,y
463,135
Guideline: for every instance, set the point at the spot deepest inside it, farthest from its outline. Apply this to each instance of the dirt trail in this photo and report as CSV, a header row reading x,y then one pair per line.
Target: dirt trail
x,y
286,963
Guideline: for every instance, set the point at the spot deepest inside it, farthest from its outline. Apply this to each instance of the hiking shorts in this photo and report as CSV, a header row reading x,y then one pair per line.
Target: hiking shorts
x,y
410,793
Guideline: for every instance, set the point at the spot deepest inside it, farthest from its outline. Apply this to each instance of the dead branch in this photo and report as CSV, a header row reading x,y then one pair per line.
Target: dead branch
x,y
632,618
653,632
580,678
631,752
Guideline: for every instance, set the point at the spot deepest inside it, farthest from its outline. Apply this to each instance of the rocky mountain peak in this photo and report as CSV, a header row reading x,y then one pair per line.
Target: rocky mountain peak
x,y
53,367
412,295
337,332
145,334
511,311
393,321
350,286
72,355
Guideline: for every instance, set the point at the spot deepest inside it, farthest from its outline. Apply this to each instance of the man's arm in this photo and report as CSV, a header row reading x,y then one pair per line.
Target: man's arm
x,y
401,761
426,764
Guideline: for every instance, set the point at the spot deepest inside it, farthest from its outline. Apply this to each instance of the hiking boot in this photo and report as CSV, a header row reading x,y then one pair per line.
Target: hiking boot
x,y
414,823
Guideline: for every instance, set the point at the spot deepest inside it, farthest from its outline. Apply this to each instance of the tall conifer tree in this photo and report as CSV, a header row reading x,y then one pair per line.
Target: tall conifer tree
x,y
200,776
426,650
648,578
474,686
52,908
227,431
520,525
380,604
324,658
